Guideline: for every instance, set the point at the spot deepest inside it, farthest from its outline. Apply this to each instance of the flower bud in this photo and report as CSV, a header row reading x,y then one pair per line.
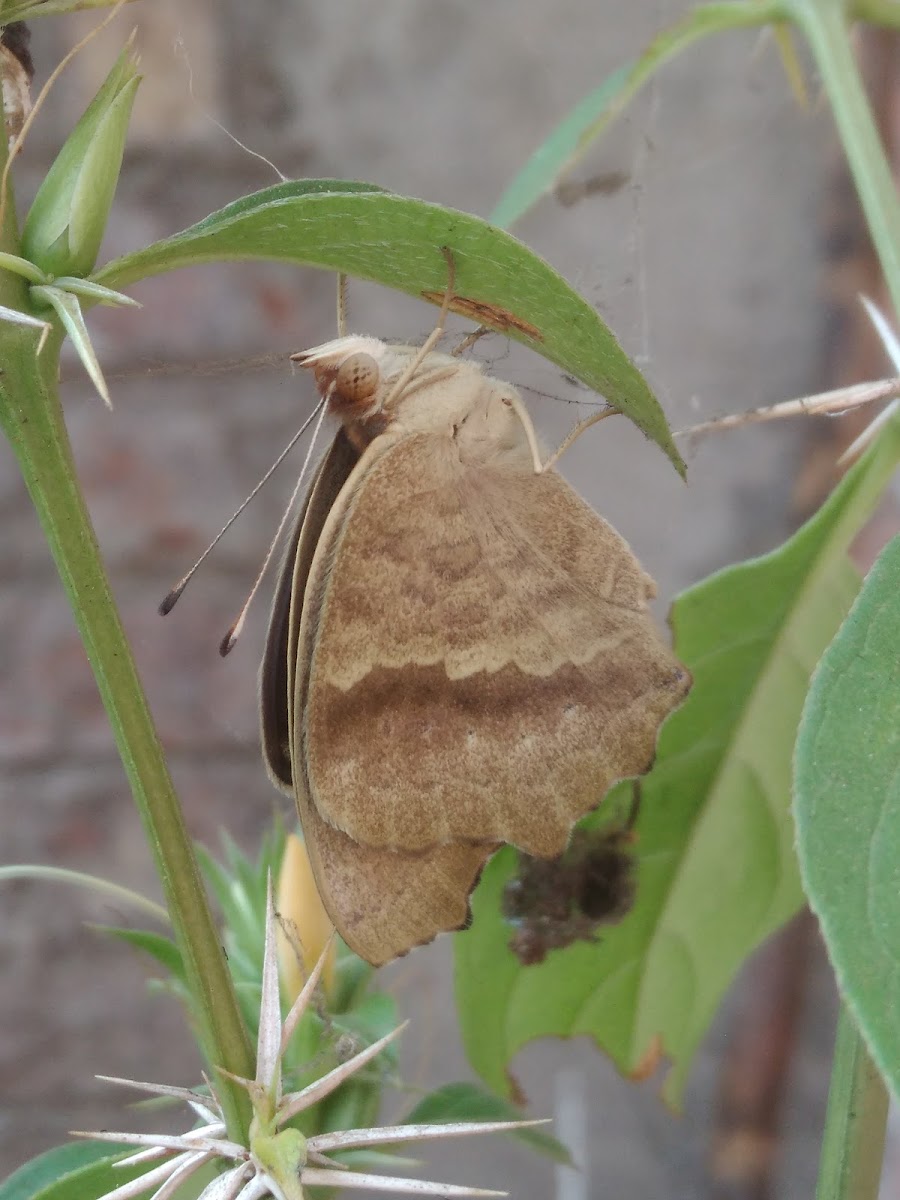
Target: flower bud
x,y
305,917
65,226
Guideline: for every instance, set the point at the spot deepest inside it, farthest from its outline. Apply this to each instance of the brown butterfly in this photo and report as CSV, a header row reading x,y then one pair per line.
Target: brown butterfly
x,y
460,653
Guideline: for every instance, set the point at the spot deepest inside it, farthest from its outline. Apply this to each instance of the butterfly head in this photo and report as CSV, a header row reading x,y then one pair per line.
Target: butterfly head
x,y
366,381
348,372
371,385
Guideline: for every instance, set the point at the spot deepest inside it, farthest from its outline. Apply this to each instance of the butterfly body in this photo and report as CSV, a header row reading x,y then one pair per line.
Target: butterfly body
x,y
460,653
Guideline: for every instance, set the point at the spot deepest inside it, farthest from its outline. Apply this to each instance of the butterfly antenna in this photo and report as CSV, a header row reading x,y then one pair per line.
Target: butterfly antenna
x,y
174,595
228,641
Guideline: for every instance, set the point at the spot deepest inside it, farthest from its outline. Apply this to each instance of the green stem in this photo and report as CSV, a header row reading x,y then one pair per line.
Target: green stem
x,y
825,25
13,288
32,418
853,1143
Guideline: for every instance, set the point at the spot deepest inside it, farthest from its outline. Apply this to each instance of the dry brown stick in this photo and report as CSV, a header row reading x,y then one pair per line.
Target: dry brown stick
x,y
838,401
755,1072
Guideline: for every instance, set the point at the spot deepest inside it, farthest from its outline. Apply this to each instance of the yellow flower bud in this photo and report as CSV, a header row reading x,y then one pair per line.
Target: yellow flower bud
x,y
306,926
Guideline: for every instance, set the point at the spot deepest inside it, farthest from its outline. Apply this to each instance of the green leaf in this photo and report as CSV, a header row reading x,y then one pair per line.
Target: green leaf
x,y
22,267
29,9
242,905
584,124
373,1017
469,1102
88,290
397,241
76,1171
161,948
105,889
68,309
847,809
716,865
351,979
239,884
375,1161
85,1170
876,12
354,1105
214,874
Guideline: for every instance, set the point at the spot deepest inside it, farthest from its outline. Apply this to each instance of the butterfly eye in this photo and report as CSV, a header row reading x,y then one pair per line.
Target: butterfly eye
x,y
357,378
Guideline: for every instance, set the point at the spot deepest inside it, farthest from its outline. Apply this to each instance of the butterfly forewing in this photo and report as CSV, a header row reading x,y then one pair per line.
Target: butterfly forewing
x,y
482,665
382,902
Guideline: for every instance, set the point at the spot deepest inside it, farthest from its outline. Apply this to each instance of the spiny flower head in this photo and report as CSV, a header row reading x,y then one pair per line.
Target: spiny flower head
x,y
278,1161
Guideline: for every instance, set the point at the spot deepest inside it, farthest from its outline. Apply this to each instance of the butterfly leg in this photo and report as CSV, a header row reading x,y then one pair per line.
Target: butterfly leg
x,y
514,402
522,413
576,433
434,337
470,339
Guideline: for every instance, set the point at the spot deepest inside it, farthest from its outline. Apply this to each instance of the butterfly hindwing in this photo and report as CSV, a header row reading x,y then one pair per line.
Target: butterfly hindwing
x,y
464,680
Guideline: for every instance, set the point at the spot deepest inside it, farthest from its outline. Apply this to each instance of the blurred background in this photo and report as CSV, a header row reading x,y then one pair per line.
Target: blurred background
x,y
717,237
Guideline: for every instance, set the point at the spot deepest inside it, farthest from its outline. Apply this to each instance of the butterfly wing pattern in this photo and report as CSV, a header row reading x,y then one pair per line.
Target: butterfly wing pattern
x,y
466,660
